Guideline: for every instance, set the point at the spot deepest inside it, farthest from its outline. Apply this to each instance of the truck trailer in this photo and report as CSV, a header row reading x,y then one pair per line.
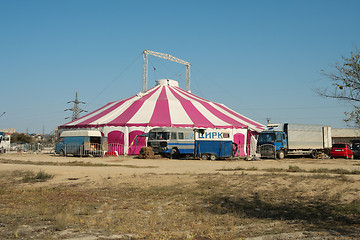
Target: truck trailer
x,y
281,140
213,144
81,143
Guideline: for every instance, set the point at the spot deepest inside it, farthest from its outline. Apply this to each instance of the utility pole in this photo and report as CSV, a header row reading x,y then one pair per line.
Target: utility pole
x,y
76,109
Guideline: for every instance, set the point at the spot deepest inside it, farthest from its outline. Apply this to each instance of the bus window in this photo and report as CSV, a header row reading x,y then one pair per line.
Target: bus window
x,y
181,135
173,135
152,136
163,136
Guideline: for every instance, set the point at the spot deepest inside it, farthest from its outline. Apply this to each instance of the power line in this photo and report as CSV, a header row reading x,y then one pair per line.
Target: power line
x,y
116,78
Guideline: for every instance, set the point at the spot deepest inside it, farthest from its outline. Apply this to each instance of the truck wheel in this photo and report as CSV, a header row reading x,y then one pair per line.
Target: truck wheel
x,y
281,154
62,153
204,156
174,153
213,157
234,149
314,154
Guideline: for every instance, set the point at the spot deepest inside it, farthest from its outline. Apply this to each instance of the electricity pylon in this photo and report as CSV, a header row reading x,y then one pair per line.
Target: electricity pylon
x,y
76,109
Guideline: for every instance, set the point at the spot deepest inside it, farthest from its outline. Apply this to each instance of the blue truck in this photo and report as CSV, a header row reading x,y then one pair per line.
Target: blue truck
x,y
281,140
81,143
206,144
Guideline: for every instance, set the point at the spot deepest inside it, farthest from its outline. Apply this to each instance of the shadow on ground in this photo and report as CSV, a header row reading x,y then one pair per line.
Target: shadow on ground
x,y
314,215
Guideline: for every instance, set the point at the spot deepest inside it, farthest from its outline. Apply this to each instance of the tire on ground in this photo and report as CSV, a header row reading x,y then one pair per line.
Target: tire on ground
x,y
281,154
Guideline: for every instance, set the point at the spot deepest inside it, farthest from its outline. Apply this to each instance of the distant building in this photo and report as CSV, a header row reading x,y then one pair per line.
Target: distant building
x,y
344,135
8,130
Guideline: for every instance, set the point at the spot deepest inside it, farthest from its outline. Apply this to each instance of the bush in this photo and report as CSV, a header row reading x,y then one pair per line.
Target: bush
x,y
146,152
295,169
21,137
41,176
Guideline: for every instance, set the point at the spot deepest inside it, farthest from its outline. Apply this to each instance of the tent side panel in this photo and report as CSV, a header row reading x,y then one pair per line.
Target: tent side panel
x,y
135,142
116,141
240,139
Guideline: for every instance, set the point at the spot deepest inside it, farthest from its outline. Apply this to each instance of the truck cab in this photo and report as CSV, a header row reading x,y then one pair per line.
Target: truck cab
x,y
272,144
4,142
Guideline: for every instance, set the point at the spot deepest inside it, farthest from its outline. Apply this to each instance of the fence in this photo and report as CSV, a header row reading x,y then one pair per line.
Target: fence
x,y
116,148
26,147
93,149
119,149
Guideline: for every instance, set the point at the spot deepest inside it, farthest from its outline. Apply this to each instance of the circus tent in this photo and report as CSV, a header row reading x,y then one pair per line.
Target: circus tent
x,y
165,105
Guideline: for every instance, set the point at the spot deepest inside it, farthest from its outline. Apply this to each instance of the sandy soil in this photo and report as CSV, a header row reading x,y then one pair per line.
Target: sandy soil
x,y
100,173
129,166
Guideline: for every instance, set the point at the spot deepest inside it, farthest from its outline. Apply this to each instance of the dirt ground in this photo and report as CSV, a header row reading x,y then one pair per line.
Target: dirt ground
x,y
128,198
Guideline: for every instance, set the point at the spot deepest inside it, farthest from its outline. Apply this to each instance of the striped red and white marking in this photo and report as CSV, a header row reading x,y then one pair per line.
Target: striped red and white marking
x,y
165,106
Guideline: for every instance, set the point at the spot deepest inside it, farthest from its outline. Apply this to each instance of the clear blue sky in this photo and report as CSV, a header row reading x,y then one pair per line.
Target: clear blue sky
x,y
260,58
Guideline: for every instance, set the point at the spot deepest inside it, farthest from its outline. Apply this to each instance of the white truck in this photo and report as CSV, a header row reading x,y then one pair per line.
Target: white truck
x,y
4,142
281,140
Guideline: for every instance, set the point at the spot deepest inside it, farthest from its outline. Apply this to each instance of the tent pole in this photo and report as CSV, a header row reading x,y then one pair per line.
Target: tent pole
x,y
145,70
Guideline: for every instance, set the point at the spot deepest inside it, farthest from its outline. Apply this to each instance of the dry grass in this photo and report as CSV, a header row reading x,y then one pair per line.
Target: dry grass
x,y
146,153
207,206
41,176
293,168
70,163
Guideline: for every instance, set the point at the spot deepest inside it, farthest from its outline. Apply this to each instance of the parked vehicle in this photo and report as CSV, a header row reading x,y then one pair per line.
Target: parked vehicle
x,y
172,142
341,150
81,143
4,142
279,141
355,147
207,144
213,144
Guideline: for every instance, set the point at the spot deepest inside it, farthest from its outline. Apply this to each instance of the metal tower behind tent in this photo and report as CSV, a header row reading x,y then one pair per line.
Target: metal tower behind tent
x,y
76,109
167,57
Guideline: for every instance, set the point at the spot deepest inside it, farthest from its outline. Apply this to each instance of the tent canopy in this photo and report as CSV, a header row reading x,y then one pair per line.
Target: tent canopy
x,y
165,105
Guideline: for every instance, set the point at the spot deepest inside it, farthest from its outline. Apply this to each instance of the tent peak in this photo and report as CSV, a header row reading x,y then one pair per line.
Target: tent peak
x,y
167,82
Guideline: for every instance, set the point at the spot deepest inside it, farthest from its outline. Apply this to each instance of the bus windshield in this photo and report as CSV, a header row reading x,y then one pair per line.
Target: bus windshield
x,y
159,136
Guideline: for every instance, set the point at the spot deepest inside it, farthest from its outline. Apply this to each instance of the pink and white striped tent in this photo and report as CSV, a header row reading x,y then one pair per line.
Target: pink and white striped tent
x,y
165,105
